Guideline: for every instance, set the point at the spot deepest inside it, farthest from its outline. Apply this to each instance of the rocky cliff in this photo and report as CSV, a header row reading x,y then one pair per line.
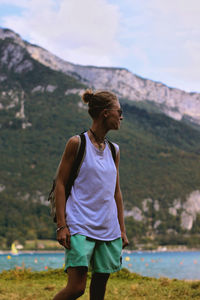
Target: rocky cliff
x,y
188,210
173,102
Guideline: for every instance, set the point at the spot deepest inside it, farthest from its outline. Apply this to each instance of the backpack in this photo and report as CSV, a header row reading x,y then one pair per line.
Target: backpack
x,y
74,172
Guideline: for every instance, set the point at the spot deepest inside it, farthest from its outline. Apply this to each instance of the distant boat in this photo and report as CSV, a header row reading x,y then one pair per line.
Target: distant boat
x,y
14,251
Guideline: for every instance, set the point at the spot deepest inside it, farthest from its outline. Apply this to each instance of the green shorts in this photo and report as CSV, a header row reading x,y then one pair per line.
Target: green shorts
x,y
101,256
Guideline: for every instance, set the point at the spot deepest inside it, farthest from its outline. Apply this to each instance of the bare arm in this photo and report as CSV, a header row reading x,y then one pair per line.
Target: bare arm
x,y
120,207
63,235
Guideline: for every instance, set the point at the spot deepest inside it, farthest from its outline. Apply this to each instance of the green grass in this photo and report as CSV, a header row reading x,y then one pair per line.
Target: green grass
x,y
24,284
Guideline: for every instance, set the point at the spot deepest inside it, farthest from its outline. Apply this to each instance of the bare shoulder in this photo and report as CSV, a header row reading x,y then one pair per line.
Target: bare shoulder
x,y
72,146
73,141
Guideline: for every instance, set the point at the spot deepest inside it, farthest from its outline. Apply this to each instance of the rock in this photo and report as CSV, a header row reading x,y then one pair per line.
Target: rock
x,y
26,124
145,204
13,57
191,209
186,220
20,114
3,78
173,211
176,206
156,205
136,213
156,224
38,88
51,88
2,188
74,91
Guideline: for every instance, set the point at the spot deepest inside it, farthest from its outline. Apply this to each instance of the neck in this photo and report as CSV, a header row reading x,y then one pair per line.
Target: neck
x,y
99,139
99,129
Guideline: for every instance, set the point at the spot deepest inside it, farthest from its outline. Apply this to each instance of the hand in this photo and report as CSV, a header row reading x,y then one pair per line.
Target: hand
x,y
124,240
63,237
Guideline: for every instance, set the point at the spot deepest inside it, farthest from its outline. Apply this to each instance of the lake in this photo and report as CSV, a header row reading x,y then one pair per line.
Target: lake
x,y
179,265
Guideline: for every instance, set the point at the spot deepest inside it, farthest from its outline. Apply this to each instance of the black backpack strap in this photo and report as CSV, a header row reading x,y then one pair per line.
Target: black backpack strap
x,y
113,150
76,165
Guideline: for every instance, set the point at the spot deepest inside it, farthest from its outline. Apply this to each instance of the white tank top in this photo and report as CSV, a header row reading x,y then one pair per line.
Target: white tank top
x,y
91,208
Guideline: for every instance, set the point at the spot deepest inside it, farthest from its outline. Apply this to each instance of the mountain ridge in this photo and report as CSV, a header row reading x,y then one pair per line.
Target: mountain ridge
x,y
173,102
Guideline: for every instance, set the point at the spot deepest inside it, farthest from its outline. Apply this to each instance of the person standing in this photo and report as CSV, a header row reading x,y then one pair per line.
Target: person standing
x,y
90,225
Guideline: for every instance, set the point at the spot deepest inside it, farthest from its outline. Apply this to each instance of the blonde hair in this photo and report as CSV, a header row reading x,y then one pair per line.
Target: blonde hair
x,y
98,101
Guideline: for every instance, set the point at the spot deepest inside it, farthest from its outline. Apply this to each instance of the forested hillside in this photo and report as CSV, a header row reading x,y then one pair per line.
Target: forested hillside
x,y
160,157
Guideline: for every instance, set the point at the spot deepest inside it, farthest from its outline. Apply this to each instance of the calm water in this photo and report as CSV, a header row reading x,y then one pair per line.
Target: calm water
x,y
180,265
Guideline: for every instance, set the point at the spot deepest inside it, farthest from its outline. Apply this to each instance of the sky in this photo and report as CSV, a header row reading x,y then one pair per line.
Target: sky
x,y
154,39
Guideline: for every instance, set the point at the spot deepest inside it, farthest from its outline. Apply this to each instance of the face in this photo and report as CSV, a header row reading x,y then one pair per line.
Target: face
x,y
114,116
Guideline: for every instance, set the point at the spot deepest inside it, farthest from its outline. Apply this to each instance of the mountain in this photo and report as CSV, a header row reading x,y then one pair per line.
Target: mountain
x,y
40,108
173,102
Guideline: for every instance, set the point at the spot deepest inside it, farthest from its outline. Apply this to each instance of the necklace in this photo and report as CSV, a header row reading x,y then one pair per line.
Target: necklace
x,y
99,140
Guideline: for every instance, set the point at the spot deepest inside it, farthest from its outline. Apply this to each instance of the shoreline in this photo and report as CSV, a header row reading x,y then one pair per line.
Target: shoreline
x,y
31,252
124,251
162,250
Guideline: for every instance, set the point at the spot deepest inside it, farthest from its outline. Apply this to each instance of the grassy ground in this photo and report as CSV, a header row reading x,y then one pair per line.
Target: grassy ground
x,y
42,245
25,285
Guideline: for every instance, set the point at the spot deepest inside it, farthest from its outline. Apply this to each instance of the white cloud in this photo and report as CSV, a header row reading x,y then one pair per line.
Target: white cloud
x,y
81,31
166,35
156,39
14,2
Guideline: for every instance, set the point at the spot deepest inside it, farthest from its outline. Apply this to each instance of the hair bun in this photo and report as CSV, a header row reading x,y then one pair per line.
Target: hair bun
x,y
87,96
